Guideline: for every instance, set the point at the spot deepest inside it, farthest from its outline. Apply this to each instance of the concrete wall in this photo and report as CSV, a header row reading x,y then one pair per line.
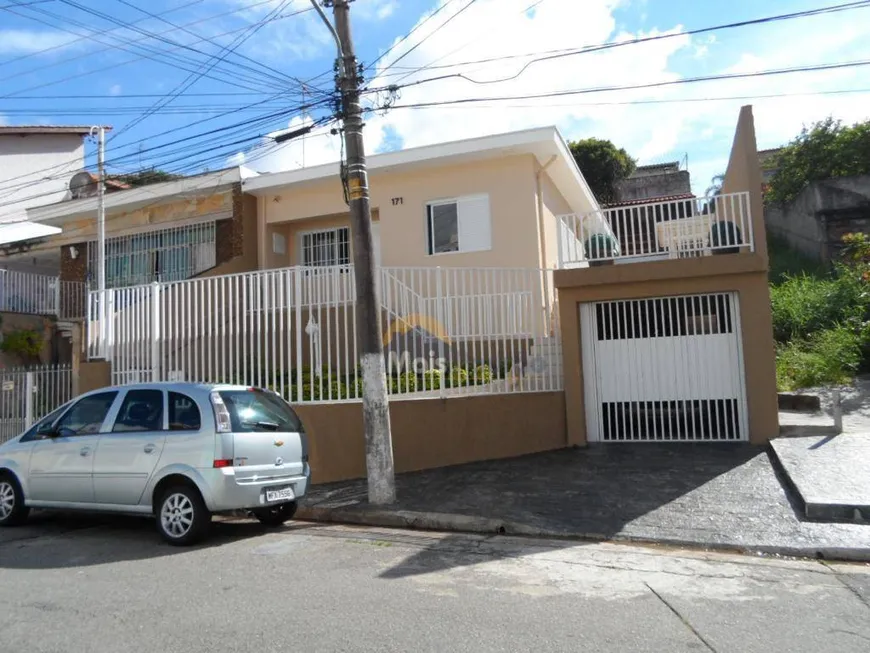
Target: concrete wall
x,y
815,221
553,204
431,433
24,159
650,186
400,199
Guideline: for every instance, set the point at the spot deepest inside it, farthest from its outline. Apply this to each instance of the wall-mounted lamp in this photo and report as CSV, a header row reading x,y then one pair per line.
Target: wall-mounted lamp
x,y
73,252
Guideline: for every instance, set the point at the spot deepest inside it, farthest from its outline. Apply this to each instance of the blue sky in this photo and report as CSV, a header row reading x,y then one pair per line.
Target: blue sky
x,y
254,91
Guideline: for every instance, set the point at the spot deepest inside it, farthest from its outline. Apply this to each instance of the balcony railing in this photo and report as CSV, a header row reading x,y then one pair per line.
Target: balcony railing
x,y
41,294
657,230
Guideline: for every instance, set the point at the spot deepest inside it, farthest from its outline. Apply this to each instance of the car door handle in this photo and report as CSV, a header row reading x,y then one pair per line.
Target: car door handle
x,y
86,451
149,448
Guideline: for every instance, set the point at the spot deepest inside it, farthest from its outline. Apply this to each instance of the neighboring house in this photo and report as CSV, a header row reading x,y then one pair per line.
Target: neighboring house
x,y
816,220
655,181
36,163
162,232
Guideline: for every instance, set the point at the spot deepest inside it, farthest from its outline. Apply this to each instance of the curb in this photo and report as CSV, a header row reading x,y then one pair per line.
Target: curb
x,y
448,522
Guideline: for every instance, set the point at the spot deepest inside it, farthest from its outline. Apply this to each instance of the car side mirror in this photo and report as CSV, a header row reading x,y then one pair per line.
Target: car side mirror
x,y
47,431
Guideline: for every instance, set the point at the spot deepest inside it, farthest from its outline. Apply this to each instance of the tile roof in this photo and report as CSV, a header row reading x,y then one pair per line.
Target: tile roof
x,y
650,200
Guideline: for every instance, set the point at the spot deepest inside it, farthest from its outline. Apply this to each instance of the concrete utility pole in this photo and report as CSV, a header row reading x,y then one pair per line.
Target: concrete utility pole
x,y
376,409
101,232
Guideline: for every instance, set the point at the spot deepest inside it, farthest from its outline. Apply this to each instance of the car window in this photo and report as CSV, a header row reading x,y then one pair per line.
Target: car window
x,y
183,413
142,410
87,416
31,433
257,410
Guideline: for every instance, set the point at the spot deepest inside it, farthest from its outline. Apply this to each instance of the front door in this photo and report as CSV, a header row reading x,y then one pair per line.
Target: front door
x,y
127,456
61,467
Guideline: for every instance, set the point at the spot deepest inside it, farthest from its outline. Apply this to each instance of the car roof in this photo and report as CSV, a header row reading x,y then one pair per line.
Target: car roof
x,y
178,386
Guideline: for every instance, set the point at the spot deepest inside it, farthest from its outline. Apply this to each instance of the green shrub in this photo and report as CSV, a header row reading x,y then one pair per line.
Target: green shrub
x,y
805,305
405,382
829,357
25,343
432,379
482,374
458,377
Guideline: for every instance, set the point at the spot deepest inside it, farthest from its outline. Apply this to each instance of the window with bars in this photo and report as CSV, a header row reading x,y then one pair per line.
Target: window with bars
x,y
326,247
164,255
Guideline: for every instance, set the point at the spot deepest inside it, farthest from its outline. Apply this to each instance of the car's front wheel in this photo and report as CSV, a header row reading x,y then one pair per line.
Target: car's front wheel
x,y
182,517
12,508
276,515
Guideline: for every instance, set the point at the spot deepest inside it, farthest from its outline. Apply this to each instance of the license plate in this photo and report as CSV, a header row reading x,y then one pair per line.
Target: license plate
x,y
280,494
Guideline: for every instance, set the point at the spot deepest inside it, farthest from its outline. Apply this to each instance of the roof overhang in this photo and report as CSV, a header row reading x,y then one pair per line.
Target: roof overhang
x,y
135,198
25,130
545,144
14,232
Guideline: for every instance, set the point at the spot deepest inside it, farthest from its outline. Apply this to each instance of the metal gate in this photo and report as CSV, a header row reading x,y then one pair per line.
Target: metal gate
x,y
664,369
28,394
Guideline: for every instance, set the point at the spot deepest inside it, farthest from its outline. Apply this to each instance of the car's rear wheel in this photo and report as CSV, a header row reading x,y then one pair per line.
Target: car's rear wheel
x,y
276,515
12,509
182,517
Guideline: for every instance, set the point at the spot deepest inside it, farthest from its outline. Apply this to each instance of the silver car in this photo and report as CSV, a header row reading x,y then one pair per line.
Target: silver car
x,y
179,451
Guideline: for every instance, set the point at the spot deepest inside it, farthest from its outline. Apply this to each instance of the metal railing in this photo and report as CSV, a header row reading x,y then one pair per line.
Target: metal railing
x,y
446,331
28,394
41,294
672,229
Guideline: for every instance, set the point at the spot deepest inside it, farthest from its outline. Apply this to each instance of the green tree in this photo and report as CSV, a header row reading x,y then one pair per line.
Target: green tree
x,y
602,164
147,177
827,149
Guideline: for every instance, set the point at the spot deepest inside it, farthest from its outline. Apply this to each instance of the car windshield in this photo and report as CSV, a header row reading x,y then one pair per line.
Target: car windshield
x,y
257,410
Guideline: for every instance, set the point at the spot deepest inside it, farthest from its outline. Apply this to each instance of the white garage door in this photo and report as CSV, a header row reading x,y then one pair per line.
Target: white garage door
x,y
664,369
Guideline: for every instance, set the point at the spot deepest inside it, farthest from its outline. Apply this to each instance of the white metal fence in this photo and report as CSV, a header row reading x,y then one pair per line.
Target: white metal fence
x,y
672,229
446,331
28,394
41,294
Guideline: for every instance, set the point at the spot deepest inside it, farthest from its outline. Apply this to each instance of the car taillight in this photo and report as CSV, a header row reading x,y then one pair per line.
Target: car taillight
x,y
221,414
223,463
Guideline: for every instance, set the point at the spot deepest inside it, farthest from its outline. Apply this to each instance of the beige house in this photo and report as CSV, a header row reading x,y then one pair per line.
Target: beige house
x,y
517,314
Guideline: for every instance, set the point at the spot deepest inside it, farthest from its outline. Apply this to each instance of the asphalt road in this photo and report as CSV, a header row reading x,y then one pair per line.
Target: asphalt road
x,y
70,585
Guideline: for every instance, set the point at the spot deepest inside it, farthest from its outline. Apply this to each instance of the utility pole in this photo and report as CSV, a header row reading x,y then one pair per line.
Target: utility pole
x,y
101,233
376,408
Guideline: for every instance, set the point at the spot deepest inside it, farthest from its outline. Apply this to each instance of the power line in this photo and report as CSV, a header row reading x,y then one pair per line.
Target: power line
x,y
194,77
115,66
604,89
408,35
431,34
557,54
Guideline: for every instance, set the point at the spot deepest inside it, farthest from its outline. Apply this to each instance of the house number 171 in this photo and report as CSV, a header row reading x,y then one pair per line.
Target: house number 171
x,y
398,200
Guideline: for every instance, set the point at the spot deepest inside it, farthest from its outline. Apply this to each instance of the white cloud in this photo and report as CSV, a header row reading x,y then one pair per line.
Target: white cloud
x,y
318,147
115,89
22,41
649,131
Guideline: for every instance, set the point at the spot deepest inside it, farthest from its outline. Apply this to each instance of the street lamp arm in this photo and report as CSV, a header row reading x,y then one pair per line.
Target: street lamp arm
x,y
331,31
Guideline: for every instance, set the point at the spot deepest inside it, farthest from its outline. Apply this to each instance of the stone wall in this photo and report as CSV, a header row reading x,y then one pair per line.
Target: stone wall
x,y
815,221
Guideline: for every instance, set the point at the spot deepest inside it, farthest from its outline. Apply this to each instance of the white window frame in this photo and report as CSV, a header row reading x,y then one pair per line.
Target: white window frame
x,y
300,239
430,231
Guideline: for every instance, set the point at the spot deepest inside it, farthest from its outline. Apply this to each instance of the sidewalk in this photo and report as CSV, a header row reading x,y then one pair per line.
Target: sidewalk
x,y
711,496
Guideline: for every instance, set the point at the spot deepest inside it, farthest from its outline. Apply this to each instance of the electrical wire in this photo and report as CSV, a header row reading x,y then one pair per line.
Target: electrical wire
x,y
557,54
194,77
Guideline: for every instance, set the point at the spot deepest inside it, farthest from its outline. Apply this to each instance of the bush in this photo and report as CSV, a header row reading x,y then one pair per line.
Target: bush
x,y
829,357
482,375
805,305
458,377
405,382
432,379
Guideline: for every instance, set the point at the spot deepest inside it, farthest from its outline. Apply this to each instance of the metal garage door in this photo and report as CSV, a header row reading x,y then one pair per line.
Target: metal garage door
x,y
664,369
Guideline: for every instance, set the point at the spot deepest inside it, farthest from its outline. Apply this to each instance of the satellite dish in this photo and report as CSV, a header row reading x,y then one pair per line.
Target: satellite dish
x,y
82,185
